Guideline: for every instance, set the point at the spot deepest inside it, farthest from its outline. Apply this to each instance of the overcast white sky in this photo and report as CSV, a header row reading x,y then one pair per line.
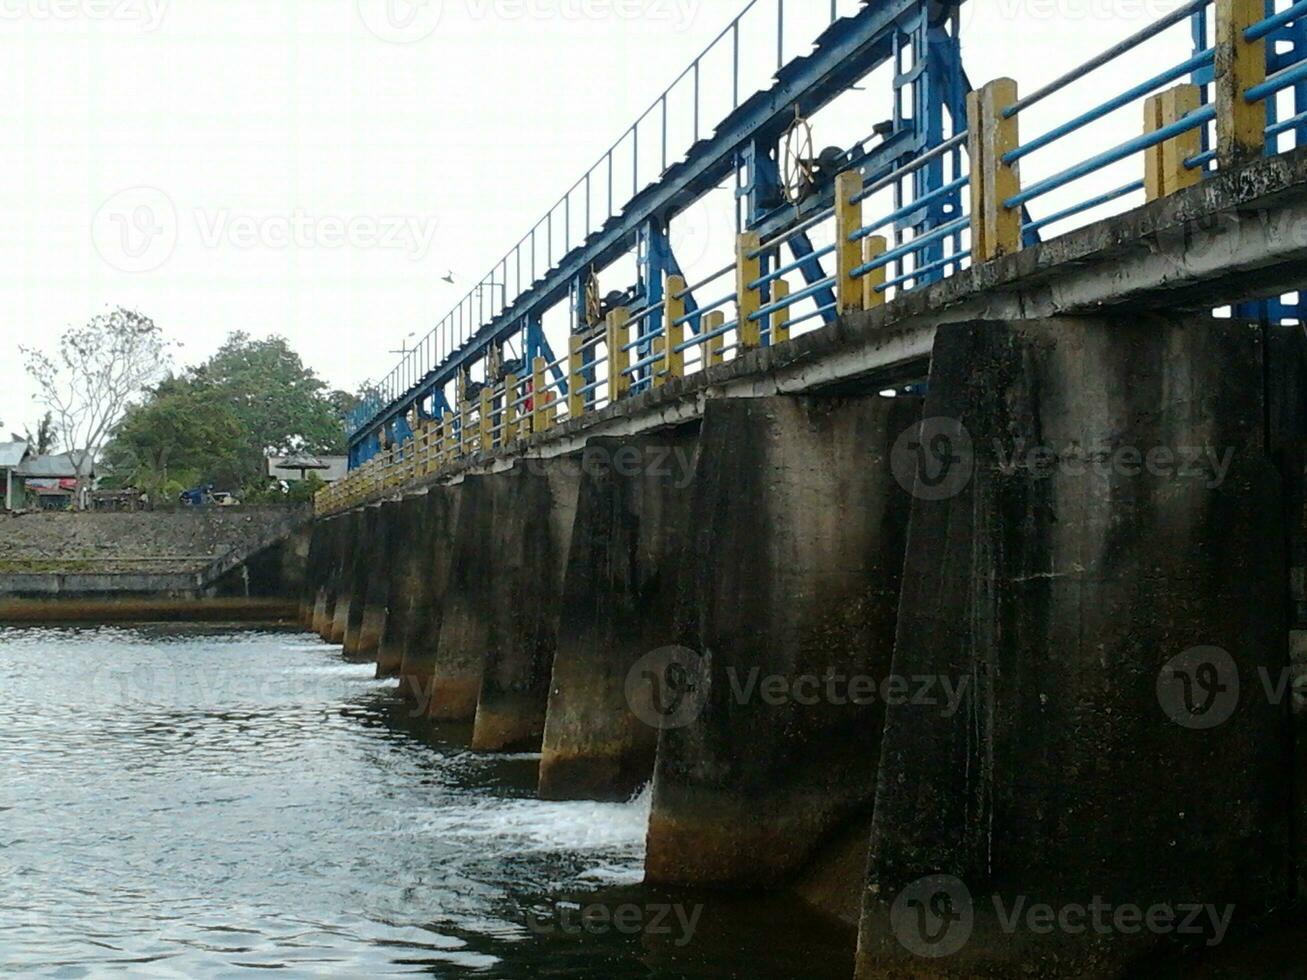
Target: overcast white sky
x,y
275,128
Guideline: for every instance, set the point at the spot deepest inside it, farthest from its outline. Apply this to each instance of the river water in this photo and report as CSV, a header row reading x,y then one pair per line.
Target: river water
x,y
207,801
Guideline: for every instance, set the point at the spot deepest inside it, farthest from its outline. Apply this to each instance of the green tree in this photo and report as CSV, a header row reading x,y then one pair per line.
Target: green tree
x,y
281,403
185,434
220,420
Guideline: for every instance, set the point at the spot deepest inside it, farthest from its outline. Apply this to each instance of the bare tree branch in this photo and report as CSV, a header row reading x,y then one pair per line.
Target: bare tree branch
x,y
90,382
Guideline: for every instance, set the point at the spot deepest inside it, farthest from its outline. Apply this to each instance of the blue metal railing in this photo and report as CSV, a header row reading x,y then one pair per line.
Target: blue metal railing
x,y
575,216
909,261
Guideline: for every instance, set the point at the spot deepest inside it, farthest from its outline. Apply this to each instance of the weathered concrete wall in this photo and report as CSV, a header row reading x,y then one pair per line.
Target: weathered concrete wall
x,y
345,575
213,552
433,570
174,542
456,660
1097,548
793,577
314,574
324,603
120,607
527,558
619,603
365,559
411,558
383,556
88,585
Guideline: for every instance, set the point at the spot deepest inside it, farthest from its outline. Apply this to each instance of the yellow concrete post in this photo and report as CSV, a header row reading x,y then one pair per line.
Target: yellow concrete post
x,y
658,349
712,353
541,410
873,248
422,449
780,320
510,409
575,377
467,436
1164,169
1239,64
1153,184
995,229
619,359
487,419
1178,102
748,297
848,253
673,310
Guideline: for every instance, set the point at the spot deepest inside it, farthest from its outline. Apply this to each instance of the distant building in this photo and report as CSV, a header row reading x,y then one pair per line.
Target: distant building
x,y
48,482
12,455
294,469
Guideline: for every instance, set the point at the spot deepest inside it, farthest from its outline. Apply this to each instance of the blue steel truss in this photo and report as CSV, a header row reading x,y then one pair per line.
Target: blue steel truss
x,y
919,37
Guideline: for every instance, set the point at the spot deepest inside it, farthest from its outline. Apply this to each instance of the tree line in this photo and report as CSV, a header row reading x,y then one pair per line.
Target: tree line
x,y
110,391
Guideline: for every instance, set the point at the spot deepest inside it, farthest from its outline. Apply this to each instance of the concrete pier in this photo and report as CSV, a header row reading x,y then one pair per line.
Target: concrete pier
x,y
453,664
313,573
343,578
528,556
366,558
1097,546
793,577
619,603
410,558
427,587
324,572
383,556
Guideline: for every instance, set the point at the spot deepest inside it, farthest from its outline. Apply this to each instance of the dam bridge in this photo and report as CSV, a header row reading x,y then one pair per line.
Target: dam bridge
x,y
933,555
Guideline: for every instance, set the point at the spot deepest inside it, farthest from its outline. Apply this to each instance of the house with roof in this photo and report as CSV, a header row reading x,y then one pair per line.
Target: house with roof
x,y
49,482
12,455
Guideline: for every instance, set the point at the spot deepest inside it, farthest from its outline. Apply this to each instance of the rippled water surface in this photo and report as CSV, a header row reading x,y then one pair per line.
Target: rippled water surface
x,y
206,802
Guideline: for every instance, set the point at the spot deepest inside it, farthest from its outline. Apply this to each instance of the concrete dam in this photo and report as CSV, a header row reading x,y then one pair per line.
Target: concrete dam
x,y
975,602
